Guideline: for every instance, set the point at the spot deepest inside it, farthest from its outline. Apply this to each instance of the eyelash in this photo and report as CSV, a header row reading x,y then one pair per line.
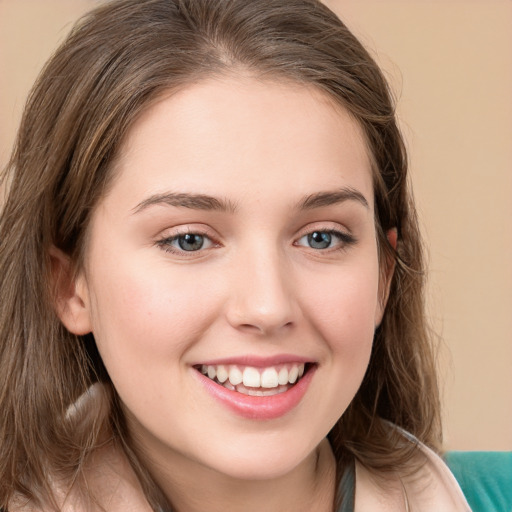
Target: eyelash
x,y
345,239
166,244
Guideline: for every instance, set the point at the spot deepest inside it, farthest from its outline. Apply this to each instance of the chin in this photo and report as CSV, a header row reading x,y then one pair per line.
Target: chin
x,y
259,462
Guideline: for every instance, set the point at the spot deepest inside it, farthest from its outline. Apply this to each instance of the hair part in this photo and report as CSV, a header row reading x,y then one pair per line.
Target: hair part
x,y
118,60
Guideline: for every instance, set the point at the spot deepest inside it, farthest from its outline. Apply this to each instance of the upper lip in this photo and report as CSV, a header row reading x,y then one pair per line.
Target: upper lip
x,y
256,361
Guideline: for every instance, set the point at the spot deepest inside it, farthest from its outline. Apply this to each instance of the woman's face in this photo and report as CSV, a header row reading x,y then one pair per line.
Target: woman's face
x,y
237,239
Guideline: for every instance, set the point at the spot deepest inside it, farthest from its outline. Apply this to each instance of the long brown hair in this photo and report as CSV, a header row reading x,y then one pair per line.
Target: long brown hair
x,y
116,61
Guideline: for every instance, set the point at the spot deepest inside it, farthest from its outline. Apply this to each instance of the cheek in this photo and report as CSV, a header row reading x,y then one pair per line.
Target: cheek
x,y
341,309
344,313
146,316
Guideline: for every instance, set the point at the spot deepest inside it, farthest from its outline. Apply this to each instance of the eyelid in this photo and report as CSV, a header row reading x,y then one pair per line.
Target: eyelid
x,y
327,226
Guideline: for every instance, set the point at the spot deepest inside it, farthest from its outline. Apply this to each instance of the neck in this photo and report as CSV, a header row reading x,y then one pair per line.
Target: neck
x,y
309,486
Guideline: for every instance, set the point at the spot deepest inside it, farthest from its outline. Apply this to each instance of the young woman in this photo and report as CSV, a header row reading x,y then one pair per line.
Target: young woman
x,y
211,293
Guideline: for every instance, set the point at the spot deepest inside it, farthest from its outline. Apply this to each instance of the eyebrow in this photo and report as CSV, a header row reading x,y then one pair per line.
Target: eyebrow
x,y
210,203
186,200
321,199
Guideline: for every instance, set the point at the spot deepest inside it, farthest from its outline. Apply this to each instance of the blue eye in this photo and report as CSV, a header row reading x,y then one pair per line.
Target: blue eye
x,y
186,242
328,239
190,242
319,240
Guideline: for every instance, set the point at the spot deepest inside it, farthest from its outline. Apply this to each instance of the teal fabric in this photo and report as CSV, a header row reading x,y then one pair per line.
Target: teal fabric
x,y
485,479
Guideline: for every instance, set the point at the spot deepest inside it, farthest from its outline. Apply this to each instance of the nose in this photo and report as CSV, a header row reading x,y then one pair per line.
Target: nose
x,y
261,298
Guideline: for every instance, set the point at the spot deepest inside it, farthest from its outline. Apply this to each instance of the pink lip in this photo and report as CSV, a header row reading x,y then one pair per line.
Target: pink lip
x,y
257,361
258,407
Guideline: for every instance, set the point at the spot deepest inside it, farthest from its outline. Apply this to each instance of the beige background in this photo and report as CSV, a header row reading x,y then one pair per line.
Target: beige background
x,y
450,63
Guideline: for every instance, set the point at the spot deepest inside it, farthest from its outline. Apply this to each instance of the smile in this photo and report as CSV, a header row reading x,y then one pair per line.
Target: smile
x,y
253,381
262,391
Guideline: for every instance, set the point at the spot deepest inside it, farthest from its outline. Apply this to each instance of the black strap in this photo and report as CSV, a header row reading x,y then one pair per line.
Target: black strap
x,y
347,489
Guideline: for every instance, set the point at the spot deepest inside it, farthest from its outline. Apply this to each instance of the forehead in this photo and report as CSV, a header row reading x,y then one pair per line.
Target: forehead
x,y
241,133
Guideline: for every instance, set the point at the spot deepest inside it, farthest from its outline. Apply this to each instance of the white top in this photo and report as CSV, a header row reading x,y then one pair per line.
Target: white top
x,y
431,488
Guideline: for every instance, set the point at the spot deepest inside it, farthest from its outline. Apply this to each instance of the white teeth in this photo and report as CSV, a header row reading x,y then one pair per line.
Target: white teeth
x,y
254,381
251,378
222,373
293,374
282,378
235,376
269,378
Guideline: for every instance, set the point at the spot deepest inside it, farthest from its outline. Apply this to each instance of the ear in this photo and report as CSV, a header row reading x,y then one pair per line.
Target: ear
x,y
386,276
71,296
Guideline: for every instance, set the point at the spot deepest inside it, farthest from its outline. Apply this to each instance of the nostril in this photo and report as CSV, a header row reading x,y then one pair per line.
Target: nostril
x,y
264,328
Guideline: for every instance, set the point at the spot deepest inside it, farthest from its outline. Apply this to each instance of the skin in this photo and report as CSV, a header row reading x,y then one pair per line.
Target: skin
x,y
256,289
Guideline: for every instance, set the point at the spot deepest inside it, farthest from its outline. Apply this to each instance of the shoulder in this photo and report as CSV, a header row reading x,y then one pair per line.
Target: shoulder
x,y
434,487
428,486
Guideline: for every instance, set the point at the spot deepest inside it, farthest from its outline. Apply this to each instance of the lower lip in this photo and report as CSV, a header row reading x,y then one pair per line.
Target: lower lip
x,y
259,407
